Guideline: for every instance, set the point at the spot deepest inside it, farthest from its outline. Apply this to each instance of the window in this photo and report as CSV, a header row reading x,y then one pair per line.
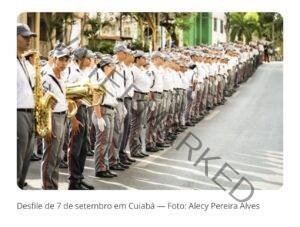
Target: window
x,y
222,27
215,24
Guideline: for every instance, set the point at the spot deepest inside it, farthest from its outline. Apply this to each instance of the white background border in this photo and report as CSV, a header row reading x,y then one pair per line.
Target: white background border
x,y
278,207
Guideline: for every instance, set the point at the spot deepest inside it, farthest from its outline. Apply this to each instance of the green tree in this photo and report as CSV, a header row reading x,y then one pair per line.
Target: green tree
x,y
243,26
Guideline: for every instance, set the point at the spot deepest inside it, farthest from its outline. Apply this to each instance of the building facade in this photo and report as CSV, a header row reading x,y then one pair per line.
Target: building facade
x,y
205,28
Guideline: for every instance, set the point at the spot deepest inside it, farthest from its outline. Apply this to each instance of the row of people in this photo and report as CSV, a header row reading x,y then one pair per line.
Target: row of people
x,y
150,98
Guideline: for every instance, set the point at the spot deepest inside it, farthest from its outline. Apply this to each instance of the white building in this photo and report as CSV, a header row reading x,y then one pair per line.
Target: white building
x,y
218,27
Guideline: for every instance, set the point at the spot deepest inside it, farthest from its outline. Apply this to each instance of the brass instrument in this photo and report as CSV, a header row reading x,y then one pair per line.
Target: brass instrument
x,y
86,94
43,103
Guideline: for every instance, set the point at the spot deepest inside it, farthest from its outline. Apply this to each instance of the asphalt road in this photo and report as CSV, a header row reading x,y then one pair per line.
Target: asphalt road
x,y
246,134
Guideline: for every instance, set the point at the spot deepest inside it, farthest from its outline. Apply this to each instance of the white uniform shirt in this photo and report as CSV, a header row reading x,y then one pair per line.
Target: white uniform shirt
x,y
110,97
190,76
168,80
119,80
59,91
158,84
77,76
25,97
177,80
129,88
142,80
185,80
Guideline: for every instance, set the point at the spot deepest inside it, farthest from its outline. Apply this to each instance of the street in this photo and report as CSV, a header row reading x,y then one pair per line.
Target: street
x,y
246,133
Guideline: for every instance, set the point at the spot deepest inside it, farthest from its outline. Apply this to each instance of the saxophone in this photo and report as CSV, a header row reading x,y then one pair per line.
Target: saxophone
x,y
43,103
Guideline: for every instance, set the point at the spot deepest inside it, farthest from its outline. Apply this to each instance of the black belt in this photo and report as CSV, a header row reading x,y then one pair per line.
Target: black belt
x,y
108,107
25,110
120,99
130,98
60,113
156,92
143,93
167,90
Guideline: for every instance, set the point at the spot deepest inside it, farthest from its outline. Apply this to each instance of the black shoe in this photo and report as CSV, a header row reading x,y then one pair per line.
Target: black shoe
x,y
63,165
22,186
189,124
158,148
86,185
90,153
169,142
130,159
34,158
103,174
76,186
183,127
150,149
144,154
126,162
112,173
179,130
123,165
162,145
138,156
171,138
117,167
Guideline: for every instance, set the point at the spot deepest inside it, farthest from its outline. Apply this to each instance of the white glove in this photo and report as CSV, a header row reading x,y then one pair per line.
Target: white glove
x,y
101,124
193,95
153,105
134,104
124,111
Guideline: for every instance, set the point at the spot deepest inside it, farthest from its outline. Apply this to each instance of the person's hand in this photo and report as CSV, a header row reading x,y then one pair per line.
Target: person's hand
x,y
134,104
101,124
153,105
193,95
124,111
75,126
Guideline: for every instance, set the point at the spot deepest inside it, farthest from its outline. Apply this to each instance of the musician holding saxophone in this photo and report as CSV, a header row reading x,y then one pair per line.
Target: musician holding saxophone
x,y
53,81
25,106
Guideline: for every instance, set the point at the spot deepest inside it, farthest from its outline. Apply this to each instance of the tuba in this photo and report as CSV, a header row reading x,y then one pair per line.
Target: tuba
x,y
86,93
43,103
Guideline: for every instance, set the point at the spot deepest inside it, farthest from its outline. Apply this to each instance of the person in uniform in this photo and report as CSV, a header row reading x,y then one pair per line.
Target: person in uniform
x,y
103,120
129,91
119,81
54,82
79,146
25,106
142,82
155,127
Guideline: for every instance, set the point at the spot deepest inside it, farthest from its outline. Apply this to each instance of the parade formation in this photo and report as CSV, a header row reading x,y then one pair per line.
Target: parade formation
x,y
81,103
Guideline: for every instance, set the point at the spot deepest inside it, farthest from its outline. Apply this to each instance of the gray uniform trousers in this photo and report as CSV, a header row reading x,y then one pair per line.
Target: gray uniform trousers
x,y
205,94
198,100
118,134
190,102
154,121
52,154
78,147
25,143
178,102
171,117
183,108
126,131
166,112
103,139
139,118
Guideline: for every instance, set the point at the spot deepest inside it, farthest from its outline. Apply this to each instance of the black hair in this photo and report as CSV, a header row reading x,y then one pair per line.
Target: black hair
x,y
135,58
28,56
103,66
